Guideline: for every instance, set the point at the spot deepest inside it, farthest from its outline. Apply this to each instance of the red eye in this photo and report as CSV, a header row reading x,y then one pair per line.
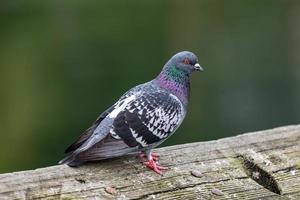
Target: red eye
x,y
186,61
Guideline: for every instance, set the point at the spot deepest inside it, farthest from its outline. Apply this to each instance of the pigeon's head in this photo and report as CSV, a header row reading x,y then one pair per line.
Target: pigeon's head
x,y
184,61
175,76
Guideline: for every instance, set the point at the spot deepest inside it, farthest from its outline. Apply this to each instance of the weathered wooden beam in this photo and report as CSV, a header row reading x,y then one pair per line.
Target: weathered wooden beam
x,y
259,165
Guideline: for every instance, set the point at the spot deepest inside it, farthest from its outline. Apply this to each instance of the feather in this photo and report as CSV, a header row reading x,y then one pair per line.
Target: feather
x,y
107,148
149,119
87,133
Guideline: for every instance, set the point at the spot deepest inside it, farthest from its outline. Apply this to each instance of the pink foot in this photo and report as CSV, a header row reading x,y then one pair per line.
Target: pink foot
x,y
152,164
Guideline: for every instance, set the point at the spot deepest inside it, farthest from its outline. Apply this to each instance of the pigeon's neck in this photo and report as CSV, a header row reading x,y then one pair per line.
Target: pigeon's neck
x,y
175,81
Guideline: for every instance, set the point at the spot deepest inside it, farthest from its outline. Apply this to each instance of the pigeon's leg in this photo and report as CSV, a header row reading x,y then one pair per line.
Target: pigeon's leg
x,y
152,164
155,156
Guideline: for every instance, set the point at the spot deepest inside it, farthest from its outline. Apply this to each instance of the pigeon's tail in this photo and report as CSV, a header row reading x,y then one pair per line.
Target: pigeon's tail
x,y
108,148
71,161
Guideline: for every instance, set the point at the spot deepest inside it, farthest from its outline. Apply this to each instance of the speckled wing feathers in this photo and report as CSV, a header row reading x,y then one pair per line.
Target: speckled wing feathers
x,y
149,119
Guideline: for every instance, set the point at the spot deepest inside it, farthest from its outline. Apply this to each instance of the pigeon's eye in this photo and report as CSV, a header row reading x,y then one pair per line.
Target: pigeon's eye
x,y
186,61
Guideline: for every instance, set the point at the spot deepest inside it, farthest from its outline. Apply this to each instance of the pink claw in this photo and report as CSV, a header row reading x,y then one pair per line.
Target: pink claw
x,y
152,164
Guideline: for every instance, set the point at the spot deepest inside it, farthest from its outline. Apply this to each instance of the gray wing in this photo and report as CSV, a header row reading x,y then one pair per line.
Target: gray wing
x,y
149,120
87,133
94,128
136,122
139,122
98,131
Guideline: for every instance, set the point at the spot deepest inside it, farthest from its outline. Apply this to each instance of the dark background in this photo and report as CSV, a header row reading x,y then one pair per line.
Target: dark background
x,y
64,62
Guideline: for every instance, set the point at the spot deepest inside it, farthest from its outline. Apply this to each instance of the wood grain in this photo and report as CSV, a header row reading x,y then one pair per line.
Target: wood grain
x,y
259,165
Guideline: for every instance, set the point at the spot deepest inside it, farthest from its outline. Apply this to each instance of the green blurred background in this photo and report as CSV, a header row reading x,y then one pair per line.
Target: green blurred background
x,y
63,62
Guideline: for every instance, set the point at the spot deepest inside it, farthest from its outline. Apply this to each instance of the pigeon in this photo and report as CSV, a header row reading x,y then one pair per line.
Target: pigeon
x,y
143,118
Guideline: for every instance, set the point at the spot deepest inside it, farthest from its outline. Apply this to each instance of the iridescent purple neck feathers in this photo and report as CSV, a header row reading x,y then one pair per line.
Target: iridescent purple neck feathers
x,y
176,81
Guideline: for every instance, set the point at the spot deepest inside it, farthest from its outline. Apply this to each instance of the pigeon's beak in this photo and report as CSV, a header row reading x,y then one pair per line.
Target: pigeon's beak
x,y
197,67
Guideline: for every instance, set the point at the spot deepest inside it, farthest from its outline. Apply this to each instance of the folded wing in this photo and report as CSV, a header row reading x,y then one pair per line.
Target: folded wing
x,y
134,123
